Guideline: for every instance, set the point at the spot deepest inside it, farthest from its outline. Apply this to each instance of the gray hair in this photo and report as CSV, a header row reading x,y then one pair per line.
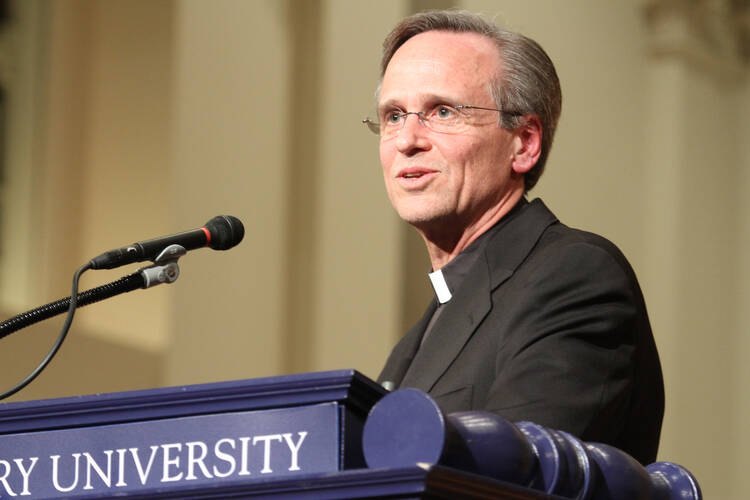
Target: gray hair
x,y
528,84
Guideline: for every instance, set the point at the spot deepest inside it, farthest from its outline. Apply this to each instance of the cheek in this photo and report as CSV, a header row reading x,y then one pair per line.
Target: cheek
x,y
386,156
463,159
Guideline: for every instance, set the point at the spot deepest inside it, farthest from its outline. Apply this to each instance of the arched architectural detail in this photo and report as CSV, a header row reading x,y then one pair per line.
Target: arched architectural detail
x,y
711,34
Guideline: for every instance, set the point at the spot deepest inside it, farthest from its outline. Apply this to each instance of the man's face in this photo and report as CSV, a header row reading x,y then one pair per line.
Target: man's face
x,y
444,181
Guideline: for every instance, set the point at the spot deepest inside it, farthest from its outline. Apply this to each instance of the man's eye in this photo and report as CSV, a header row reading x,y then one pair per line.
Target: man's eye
x,y
393,117
445,113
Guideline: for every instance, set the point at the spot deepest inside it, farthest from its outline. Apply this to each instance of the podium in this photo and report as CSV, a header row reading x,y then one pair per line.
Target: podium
x,y
320,435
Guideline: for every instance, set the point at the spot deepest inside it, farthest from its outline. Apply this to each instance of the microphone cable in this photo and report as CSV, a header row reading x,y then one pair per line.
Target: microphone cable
x,y
220,233
60,338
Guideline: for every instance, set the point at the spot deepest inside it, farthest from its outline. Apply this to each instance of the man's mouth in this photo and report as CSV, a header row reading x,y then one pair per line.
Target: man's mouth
x,y
414,173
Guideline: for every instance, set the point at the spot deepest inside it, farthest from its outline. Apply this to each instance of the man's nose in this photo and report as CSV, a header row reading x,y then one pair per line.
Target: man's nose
x,y
413,135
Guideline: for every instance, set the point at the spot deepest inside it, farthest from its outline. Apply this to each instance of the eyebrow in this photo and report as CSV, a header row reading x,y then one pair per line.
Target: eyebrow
x,y
429,99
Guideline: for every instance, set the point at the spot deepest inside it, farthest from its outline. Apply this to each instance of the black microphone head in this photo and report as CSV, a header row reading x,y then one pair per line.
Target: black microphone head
x,y
226,232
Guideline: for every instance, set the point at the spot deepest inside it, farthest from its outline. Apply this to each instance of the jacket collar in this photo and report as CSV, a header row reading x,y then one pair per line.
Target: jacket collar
x,y
510,242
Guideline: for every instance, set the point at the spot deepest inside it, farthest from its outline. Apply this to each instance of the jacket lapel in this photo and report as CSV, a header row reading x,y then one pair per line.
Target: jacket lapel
x,y
452,330
403,354
507,248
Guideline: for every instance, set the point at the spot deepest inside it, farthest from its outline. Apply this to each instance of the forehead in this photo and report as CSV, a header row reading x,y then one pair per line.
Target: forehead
x,y
441,63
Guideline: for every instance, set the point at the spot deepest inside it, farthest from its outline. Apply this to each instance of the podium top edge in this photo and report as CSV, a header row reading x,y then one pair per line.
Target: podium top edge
x,y
349,387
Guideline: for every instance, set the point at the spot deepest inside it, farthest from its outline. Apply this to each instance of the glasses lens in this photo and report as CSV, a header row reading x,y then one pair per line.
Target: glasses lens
x,y
444,119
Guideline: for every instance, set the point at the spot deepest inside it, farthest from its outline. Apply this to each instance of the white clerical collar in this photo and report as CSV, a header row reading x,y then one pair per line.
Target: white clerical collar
x,y
440,286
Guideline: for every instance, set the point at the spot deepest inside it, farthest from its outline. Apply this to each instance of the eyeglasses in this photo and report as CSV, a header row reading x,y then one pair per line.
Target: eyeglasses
x,y
443,119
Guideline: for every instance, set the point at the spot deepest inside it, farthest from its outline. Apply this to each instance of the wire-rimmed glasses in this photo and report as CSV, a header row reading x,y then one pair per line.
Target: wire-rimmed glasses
x,y
443,118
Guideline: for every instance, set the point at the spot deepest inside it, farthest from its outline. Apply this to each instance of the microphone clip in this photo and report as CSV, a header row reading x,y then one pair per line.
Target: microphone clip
x,y
165,268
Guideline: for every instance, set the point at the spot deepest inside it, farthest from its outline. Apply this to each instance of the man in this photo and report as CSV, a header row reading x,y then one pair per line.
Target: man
x,y
532,320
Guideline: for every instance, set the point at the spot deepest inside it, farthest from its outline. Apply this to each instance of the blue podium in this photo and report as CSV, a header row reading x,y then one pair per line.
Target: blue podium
x,y
321,435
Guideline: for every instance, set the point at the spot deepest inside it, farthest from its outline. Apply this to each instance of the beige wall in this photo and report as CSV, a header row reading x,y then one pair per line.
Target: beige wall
x,y
136,118
229,156
124,177
357,285
741,460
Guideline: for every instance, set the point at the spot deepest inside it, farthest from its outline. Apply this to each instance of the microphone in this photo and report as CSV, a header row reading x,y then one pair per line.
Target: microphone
x,y
220,233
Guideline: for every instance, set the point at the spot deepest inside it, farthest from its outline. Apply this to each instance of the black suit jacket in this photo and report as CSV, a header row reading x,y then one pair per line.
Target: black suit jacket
x,y
549,326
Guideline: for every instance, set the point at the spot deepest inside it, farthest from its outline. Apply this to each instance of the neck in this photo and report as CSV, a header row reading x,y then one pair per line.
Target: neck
x,y
444,242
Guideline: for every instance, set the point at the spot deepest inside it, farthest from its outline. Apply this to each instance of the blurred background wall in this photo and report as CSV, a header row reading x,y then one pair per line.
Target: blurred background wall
x,y
124,120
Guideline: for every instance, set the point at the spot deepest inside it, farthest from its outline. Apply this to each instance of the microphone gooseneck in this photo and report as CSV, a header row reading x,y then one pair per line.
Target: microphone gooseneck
x,y
220,233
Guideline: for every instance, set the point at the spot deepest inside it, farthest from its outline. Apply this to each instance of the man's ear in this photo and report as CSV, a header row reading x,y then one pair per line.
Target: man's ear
x,y
527,144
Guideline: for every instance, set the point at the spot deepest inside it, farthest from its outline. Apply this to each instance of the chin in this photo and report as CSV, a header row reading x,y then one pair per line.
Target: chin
x,y
422,210
419,218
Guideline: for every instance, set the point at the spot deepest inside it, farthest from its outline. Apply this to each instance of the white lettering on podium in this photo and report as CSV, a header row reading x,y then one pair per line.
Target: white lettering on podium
x,y
171,462
226,457
243,469
294,448
121,467
266,450
4,478
55,472
101,470
197,460
91,464
143,475
24,472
